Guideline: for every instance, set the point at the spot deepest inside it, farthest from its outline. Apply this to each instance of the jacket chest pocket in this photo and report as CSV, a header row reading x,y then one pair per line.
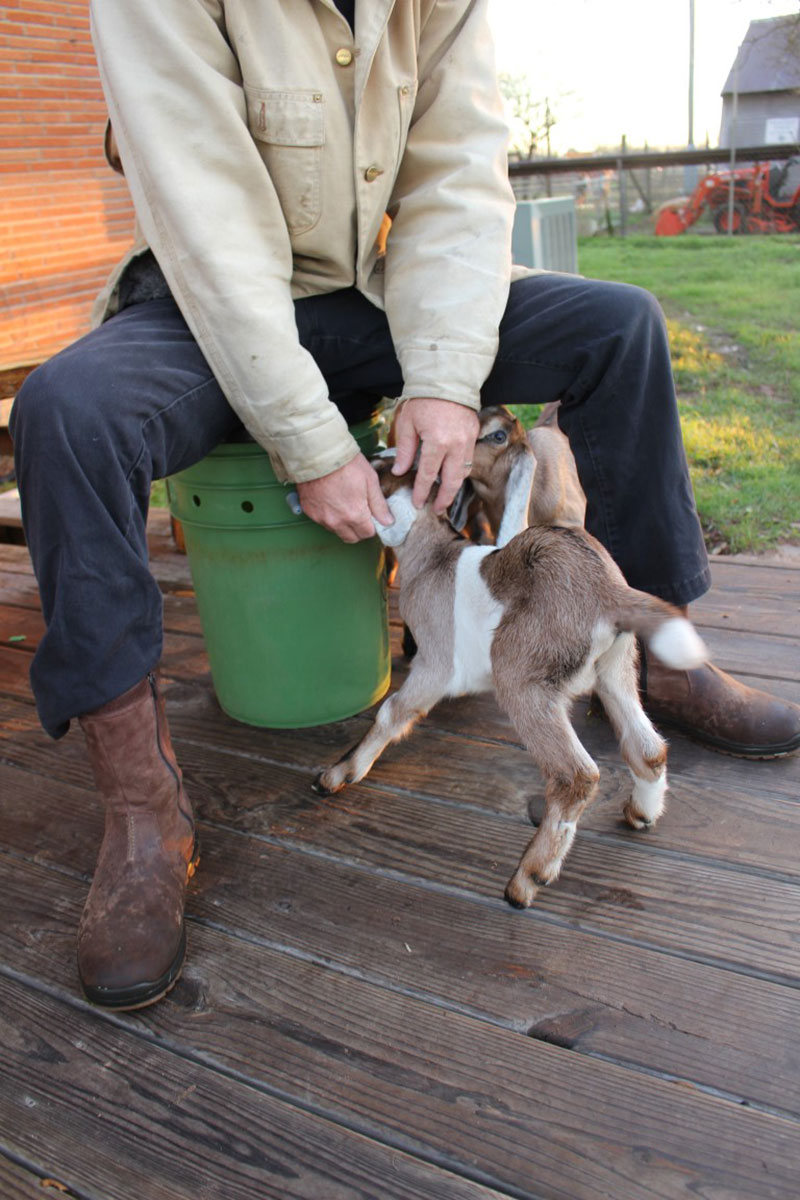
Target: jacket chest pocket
x,y
289,128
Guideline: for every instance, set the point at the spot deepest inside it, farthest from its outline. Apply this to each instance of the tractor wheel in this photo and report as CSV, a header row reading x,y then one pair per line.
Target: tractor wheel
x,y
739,223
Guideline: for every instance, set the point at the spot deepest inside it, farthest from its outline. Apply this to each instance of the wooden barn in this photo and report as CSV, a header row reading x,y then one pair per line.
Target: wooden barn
x,y
761,96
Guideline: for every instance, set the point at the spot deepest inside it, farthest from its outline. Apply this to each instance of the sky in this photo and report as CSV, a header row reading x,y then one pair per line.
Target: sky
x,y
613,67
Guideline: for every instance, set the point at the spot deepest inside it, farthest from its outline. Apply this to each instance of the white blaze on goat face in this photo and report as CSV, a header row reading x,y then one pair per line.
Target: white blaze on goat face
x,y
476,615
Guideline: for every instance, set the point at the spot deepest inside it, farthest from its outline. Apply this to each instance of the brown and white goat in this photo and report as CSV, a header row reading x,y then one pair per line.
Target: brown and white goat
x,y
540,618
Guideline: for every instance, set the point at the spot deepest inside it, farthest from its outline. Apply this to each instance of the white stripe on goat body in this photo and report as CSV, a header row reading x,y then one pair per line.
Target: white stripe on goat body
x,y
476,615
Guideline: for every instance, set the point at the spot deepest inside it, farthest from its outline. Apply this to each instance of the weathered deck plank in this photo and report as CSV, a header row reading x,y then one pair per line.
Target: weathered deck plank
x,y
17,1183
161,1127
636,1006
725,916
449,1087
765,600
361,1015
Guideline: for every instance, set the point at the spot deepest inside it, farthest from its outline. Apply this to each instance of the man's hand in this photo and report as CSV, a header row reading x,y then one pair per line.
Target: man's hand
x,y
346,500
448,432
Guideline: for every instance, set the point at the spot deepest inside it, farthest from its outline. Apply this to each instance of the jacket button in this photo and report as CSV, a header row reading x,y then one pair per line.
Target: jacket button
x,y
372,173
344,56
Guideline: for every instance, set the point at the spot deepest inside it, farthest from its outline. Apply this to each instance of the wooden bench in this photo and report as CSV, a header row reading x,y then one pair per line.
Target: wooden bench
x,y
6,445
11,380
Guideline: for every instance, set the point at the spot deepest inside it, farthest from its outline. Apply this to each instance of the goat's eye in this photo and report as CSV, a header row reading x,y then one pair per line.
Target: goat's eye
x,y
499,437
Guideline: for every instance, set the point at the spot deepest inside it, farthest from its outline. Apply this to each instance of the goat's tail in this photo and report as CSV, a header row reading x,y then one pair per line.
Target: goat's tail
x,y
664,630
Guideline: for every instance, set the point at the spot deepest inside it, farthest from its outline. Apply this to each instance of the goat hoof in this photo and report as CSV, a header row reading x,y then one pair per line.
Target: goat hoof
x,y
324,785
520,893
635,819
334,778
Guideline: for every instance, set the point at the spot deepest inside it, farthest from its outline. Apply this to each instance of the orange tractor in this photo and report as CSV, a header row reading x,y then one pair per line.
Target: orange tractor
x,y
766,199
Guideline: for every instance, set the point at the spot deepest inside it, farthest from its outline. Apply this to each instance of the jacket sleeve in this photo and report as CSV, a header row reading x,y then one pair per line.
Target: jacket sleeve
x,y
209,211
448,259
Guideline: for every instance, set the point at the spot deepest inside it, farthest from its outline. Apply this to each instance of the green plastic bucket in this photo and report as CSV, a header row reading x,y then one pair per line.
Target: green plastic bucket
x,y
295,620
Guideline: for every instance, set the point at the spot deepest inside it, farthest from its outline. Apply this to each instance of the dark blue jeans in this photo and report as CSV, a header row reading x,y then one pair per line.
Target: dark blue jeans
x,y
134,401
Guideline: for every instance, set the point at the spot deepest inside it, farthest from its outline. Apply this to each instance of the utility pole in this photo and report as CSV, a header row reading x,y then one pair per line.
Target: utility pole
x,y
548,125
690,172
734,122
623,188
690,140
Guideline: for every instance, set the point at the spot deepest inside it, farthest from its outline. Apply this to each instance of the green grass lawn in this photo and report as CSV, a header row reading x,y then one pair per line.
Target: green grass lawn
x,y
733,310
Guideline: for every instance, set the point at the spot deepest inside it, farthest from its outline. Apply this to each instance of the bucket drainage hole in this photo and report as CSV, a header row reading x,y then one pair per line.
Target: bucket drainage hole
x,y
196,501
247,506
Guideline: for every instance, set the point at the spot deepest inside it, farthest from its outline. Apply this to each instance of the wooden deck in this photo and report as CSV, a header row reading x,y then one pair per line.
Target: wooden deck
x,y
361,1015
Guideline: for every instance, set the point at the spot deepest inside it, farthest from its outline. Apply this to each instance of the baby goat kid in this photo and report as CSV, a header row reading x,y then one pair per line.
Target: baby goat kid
x,y
540,618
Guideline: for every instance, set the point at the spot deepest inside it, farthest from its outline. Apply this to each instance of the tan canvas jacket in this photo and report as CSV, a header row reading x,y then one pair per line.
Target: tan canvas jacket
x,y
263,145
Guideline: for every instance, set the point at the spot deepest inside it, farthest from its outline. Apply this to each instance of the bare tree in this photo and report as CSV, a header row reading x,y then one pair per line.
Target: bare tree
x,y
532,119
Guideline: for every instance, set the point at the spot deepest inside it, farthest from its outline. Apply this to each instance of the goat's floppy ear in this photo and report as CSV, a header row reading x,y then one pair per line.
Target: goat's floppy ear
x,y
458,511
518,495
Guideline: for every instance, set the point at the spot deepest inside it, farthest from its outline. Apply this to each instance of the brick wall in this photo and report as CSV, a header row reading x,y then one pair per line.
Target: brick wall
x,y
65,216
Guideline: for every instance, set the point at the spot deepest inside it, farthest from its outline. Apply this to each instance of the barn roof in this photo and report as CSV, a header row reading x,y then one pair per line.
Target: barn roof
x,y
768,59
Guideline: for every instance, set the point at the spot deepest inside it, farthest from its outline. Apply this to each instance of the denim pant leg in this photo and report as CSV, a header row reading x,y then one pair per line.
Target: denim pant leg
x,y
602,349
130,402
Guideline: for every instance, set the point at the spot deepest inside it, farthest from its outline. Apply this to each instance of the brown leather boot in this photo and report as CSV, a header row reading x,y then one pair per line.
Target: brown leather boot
x,y
715,709
131,939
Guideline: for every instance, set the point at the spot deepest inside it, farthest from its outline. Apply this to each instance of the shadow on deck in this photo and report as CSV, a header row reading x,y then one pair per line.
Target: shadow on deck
x,y
361,1015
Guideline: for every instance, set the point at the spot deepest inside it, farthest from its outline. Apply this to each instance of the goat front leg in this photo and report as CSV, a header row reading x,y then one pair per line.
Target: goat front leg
x,y
572,777
395,719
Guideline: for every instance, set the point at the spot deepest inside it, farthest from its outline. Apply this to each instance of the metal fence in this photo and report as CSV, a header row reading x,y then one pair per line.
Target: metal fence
x,y
622,192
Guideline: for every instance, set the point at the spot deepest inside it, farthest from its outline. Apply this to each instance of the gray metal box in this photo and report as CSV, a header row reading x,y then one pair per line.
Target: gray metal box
x,y
546,234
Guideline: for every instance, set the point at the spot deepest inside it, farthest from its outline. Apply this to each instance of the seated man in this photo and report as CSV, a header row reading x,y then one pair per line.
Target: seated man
x,y
264,143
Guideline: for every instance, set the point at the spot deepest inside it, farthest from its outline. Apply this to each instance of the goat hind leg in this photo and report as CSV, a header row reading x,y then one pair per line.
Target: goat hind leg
x,y
395,719
572,778
641,746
